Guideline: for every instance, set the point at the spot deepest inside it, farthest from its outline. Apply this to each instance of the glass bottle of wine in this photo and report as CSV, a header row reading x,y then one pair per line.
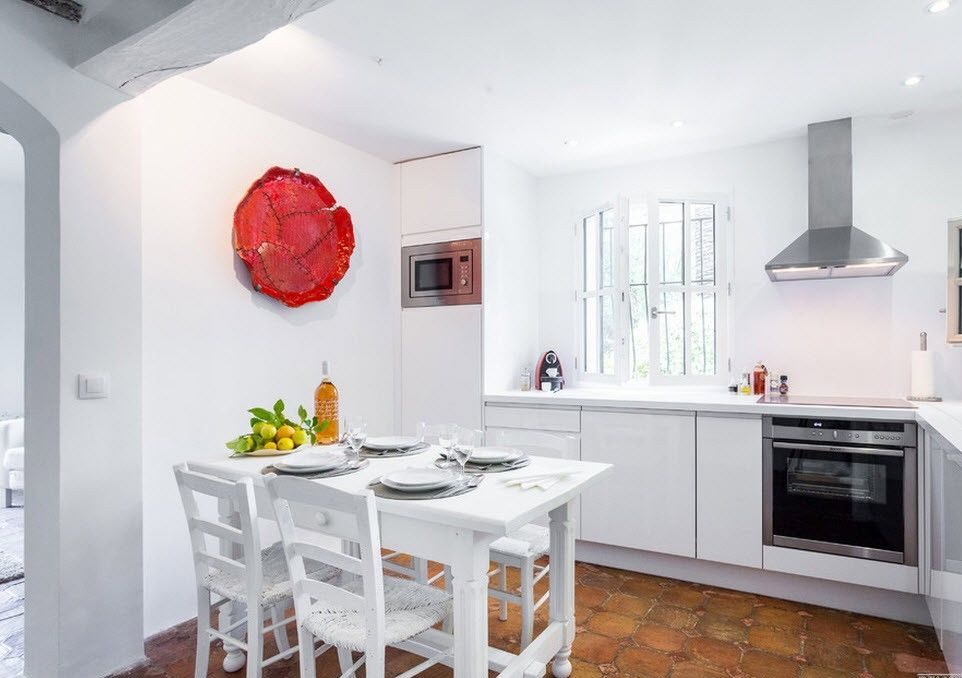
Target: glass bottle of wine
x,y
325,408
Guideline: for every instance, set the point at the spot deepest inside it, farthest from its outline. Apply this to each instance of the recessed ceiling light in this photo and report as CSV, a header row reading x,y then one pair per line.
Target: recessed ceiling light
x,y
571,143
937,6
677,123
912,80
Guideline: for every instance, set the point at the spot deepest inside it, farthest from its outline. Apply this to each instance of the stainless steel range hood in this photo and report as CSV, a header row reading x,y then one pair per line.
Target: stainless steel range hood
x,y
832,247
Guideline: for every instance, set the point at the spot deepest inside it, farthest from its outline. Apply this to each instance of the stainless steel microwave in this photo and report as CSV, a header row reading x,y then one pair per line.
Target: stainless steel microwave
x,y
441,274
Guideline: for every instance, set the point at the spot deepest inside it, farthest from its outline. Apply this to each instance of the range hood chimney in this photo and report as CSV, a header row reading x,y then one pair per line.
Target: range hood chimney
x,y
832,247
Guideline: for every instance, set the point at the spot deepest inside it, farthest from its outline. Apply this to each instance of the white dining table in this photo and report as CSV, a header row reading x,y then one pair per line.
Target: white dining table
x,y
458,531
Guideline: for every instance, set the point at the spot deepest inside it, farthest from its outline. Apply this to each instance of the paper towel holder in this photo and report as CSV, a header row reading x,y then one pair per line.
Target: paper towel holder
x,y
924,346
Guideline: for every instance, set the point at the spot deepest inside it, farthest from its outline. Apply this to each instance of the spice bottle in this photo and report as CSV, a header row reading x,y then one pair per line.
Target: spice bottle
x,y
759,379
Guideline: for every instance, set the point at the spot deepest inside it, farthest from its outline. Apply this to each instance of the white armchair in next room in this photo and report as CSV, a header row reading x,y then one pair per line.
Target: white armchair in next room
x,y
11,454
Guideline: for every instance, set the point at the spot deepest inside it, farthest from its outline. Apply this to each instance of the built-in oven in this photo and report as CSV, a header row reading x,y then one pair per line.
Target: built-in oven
x,y
441,274
842,487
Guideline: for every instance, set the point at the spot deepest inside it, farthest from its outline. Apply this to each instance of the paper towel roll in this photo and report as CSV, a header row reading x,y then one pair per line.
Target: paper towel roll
x,y
923,374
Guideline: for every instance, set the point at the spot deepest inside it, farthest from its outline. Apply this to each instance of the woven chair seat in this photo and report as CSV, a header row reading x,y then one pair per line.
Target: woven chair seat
x,y
410,608
530,540
277,581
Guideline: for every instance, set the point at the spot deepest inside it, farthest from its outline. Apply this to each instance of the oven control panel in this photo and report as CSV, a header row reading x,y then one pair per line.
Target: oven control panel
x,y
828,432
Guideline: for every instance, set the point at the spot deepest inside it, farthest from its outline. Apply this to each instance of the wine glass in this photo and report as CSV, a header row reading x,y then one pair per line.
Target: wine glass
x,y
447,438
464,447
356,433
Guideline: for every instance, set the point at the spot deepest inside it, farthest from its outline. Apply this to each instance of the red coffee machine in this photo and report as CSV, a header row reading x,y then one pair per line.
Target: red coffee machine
x,y
549,376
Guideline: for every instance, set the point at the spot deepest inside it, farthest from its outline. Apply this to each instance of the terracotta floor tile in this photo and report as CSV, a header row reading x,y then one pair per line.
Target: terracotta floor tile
x,y
822,672
660,638
722,628
727,604
612,625
831,655
779,617
660,628
595,649
642,662
764,665
628,605
776,641
715,652
832,625
683,596
673,617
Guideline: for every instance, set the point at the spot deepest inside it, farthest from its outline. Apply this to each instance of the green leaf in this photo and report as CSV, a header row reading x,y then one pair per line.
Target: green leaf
x,y
255,420
262,414
302,413
279,408
323,425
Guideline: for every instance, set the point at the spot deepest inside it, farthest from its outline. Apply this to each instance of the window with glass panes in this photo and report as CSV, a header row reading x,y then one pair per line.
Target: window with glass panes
x,y
654,292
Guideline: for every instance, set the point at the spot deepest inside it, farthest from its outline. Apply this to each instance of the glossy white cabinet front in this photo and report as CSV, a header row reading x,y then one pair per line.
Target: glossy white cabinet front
x,y
945,517
442,192
729,461
649,502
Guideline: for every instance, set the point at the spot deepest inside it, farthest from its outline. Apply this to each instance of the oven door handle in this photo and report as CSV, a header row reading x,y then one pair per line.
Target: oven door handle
x,y
877,451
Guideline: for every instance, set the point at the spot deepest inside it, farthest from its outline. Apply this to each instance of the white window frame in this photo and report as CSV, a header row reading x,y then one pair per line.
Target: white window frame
x,y
722,289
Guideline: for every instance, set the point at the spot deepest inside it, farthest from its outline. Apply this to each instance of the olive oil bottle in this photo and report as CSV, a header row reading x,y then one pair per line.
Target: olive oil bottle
x,y
325,408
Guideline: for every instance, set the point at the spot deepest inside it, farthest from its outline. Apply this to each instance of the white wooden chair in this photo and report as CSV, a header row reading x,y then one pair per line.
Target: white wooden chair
x,y
254,578
362,610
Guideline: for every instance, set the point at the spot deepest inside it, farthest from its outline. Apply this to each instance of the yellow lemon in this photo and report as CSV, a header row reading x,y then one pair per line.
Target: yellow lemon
x,y
285,431
285,444
270,446
256,427
268,431
300,436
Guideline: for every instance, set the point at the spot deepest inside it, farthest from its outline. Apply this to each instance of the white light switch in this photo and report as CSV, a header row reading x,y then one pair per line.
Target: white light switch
x,y
91,386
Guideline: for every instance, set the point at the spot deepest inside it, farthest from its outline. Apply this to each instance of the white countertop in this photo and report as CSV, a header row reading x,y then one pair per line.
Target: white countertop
x,y
944,417
694,400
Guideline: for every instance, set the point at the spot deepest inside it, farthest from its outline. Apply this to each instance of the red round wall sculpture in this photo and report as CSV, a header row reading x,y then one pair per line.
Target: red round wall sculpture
x,y
294,237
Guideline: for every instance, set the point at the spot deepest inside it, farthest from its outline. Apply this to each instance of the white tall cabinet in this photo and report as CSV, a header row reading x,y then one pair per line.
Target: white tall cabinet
x,y
729,494
649,502
441,345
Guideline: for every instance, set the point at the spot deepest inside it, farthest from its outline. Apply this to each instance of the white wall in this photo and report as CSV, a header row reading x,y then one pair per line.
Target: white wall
x,y
831,337
12,200
510,272
213,347
83,533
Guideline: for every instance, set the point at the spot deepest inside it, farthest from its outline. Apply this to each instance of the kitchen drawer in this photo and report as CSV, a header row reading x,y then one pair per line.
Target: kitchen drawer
x,y
537,418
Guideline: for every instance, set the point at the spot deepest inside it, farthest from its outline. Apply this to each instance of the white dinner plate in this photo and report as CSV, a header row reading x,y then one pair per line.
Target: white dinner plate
x,y
312,460
418,479
391,442
494,455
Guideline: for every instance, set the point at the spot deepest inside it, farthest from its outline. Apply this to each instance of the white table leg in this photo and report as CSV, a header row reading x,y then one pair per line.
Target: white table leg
x,y
469,572
562,581
230,612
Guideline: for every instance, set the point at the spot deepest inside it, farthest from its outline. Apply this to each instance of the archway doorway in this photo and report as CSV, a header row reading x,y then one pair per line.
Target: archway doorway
x,y
12,449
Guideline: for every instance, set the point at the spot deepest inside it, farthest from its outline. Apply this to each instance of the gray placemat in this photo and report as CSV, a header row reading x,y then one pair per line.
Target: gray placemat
x,y
441,462
367,453
386,492
333,473
11,567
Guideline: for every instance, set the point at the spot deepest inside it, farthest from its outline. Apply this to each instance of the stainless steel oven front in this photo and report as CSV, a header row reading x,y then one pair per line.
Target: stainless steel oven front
x,y
441,274
843,487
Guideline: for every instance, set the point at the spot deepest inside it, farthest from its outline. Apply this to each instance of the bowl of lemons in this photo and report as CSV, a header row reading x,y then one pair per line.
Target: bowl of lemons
x,y
272,433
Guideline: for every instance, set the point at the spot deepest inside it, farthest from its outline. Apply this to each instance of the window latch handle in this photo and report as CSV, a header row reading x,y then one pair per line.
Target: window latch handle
x,y
655,313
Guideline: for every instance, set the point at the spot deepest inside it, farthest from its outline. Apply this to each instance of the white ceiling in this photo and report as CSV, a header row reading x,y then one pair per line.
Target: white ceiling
x,y
522,77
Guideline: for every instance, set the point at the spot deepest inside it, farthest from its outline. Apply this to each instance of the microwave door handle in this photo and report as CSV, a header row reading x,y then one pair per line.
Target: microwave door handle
x,y
878,451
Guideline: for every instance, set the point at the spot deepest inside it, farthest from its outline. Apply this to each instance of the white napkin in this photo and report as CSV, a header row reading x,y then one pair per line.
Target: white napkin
x,y
542,481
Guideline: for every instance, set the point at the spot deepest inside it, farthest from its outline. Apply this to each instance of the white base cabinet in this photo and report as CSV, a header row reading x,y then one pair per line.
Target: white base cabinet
x,y
729,489
649,502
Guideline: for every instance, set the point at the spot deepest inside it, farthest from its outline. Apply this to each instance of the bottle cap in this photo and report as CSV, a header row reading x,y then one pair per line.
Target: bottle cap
x,y
325,368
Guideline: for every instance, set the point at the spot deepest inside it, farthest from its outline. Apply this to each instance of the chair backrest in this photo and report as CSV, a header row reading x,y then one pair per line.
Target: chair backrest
x,y
11,434
328,512
234,499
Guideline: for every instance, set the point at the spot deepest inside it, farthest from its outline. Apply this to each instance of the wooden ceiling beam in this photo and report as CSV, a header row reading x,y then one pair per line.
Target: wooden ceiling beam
x,y
65,9
189,37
